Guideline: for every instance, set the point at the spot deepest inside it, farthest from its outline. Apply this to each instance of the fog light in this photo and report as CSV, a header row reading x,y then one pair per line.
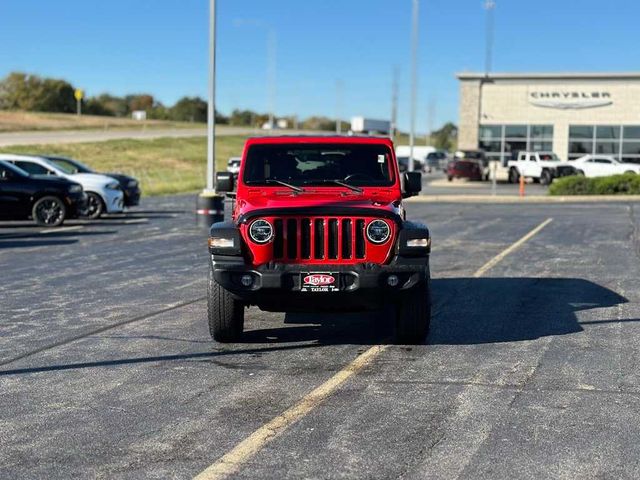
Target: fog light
x,y
392,280
246,280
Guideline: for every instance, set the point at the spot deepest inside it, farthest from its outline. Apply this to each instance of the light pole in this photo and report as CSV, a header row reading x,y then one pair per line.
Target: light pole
x,y
210,205
211,105
339,87
489,6
414,80
394,104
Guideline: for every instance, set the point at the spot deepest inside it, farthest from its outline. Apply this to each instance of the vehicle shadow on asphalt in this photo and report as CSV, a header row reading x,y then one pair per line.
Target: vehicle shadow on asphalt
x,y
37,239
466,311
470,311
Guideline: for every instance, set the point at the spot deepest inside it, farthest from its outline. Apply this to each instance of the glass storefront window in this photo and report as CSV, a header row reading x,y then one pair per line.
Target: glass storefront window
x,y
580,147
491,132
611,132
515,131
632,132
607,140
542,131
608,148
504,141
631,148
580,131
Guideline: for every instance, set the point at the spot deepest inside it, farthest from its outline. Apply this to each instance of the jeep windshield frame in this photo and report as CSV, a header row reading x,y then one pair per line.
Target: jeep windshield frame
x,y
319,164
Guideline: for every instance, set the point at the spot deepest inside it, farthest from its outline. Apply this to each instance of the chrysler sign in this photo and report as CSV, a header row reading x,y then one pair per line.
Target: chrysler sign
x,y
569,99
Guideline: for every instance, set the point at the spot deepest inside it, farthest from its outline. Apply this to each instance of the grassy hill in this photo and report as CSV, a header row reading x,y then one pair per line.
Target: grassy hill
x,y
11,121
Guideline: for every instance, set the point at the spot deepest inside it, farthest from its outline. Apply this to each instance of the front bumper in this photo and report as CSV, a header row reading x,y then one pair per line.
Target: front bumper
x,y
278,287
114,200
76,205
132,196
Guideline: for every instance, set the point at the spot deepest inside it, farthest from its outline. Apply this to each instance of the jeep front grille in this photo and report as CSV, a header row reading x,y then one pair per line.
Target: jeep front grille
x,y
314,239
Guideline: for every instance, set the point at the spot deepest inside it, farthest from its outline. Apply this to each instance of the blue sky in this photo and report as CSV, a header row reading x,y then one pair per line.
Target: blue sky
x,y
160,47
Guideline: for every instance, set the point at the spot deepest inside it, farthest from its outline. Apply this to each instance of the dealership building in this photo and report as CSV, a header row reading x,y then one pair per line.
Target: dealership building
x,y
571,114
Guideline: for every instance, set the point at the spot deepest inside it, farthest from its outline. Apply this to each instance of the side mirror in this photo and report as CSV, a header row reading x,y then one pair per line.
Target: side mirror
x,y
224,182
412,184
5,175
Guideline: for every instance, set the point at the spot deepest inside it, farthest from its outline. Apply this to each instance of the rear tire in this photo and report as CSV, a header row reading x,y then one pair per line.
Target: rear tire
x,y
449,178
514,176
629,171
49,212
413,315
580,173
226,315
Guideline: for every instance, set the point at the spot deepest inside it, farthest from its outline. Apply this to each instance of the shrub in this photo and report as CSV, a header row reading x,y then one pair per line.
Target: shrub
x,y
627,184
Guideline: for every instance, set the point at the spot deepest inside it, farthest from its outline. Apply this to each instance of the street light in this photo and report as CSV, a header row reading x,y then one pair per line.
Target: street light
x,y
489,6
414,80
210,205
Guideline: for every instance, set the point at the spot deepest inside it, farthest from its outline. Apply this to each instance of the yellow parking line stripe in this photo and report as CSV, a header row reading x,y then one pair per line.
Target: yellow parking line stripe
x,y
498,258
232,461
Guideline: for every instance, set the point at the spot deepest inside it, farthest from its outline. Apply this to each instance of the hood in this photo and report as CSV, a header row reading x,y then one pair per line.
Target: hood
x,y
91,179
53,180
120,177
373,198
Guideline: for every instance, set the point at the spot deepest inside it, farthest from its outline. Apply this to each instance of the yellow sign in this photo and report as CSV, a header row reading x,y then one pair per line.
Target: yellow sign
x,y
78,94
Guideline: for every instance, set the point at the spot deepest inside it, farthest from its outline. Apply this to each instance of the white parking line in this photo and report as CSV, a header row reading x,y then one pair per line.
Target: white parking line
x,y
61,229
136,220
232,461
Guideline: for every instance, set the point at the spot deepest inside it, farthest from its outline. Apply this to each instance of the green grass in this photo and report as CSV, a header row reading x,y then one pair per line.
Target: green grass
x,y
163,166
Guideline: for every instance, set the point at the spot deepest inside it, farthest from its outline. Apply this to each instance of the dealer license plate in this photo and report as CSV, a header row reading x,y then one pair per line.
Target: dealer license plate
x,y
319,282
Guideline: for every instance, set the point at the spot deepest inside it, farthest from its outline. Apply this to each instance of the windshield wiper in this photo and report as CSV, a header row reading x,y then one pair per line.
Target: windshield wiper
x,y
273,181
353,188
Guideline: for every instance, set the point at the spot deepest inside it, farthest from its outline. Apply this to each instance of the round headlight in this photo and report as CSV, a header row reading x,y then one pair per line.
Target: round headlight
x,y
378,231
261,231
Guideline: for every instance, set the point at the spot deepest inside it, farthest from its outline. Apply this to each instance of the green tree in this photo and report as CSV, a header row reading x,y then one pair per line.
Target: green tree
x,y
21,91
446,138
189,109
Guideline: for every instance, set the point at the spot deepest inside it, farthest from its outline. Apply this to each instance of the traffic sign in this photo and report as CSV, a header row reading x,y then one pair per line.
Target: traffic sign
x,y
78,94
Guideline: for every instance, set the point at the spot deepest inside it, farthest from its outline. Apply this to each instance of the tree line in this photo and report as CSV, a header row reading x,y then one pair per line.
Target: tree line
x,y
33,93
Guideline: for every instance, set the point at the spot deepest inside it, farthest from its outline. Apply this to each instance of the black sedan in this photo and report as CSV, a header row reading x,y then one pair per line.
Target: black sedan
x,y
129,185
47,200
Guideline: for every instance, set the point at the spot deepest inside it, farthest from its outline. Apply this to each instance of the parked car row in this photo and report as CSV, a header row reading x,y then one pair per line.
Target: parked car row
x,y
50,189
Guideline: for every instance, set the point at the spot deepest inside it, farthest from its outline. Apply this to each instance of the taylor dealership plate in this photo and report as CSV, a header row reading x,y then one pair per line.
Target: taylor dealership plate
x,y
319,282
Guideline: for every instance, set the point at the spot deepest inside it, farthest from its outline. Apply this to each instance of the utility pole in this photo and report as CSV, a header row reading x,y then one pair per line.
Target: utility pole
x,y
271,74
394,103
489,6
431,118
339,88
209,204
211,105
414,80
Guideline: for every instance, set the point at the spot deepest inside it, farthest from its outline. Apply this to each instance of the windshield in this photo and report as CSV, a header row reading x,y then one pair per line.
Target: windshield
x,y
69,166
549,157
363,165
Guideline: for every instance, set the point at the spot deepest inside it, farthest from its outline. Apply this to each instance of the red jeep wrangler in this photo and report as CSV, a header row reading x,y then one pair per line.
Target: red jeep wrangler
x,y
318,225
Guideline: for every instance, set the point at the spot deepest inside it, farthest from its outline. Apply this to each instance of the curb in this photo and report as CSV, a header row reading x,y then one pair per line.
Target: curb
x,y
526,199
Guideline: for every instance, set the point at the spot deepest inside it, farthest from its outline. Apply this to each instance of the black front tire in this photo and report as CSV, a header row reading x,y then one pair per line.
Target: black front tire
x,y
413,315
226,315
545,177
95,206
49,212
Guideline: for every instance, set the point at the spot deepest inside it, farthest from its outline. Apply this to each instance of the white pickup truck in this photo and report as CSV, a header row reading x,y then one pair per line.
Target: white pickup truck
x,y
541,167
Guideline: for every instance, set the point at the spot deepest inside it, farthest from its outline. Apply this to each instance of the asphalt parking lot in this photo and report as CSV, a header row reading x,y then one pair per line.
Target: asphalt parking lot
x,y
531,368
